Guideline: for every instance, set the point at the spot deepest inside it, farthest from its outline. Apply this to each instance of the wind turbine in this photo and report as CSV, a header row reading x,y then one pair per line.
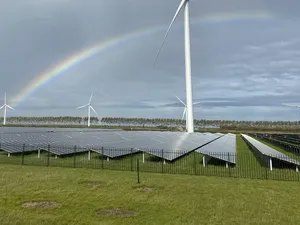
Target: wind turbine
x,y
293,105
184,111
184,4
5,106
89,105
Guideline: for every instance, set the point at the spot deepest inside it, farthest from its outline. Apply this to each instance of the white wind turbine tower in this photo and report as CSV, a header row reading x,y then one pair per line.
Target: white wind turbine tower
x,y
5,110
89,105
188,78
184,111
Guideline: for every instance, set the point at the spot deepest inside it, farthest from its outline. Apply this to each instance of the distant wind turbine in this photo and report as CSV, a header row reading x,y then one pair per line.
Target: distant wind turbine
x,y
184,111
188,78
89,105
5,106
293,105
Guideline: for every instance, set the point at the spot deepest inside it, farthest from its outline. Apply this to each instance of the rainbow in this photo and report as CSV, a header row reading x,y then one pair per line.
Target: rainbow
x,y
99,48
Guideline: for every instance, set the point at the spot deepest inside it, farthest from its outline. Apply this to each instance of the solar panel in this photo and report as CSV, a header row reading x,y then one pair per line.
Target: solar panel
x,y
115,143
224,148
113,152
171,145
268,151
18,147
50,129
167,145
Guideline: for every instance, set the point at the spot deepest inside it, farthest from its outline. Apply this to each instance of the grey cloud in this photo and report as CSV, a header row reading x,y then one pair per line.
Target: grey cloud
x,y
255,101
245,63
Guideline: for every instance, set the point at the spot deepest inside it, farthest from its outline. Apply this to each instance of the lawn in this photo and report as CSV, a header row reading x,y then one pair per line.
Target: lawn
x,y
168,199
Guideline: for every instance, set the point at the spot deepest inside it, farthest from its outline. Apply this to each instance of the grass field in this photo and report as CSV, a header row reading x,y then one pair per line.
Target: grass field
x,y
168,199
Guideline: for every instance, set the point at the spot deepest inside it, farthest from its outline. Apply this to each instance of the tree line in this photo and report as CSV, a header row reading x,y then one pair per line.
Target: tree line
x,y
50,120
150,122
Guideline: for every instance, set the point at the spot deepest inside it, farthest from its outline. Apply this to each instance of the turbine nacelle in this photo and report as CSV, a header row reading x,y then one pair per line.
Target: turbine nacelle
x,y
184,111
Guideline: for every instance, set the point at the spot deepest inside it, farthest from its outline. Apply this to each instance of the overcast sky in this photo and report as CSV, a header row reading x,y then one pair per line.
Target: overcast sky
x,y
243,68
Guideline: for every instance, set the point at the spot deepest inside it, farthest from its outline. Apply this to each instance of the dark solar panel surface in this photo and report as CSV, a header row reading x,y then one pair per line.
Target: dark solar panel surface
x,y
113,143
223,148
268,151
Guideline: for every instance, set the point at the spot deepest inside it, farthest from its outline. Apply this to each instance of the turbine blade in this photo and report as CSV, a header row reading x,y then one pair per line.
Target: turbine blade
x,y
180,100
2,107
8,106
183,113
195,103
291,105
175,16
91,97
94,110
5,98
82,106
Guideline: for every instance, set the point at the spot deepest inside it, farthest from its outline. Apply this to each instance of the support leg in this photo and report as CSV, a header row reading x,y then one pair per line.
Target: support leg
x,y
89,155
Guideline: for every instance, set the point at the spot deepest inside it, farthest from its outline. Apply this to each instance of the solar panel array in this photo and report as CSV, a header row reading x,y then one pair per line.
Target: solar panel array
x,y
268,151
223,148
167,145
5,130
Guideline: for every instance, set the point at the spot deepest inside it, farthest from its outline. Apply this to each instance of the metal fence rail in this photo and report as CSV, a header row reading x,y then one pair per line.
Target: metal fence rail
x,y
247,165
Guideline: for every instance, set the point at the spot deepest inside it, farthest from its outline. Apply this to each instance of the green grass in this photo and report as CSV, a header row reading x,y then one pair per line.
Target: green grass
x,y
175,199
247,164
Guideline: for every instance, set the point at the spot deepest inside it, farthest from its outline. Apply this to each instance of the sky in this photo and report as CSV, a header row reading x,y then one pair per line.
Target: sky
x,y
245,58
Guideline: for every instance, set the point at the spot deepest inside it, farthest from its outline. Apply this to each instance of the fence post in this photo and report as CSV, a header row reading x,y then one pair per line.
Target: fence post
x,y
74,155
229,164
267,168
23,151
102,156
131,150
162,160
48,159
195,172
138,169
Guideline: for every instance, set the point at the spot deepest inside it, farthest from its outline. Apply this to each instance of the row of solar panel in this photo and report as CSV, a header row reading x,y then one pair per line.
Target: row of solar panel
x,y
267,151
207,143
49,129
152,140
113,153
